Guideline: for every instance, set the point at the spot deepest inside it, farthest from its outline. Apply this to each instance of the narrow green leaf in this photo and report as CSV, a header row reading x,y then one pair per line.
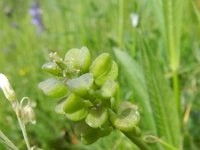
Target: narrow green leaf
x,y
5,140
162,100
133,72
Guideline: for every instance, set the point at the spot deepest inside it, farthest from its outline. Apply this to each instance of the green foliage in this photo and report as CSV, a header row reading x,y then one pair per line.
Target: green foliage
x,y
100,25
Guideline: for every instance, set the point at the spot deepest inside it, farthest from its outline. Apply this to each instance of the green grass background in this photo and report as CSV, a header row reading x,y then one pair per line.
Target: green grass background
x,y
100,25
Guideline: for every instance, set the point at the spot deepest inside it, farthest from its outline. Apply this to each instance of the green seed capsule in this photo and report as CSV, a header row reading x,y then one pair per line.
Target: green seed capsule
x,y
78,59
109,89
97,117
101,65
127,117
73,103
110,75
53,88
75,109
81,85
52,68
89,135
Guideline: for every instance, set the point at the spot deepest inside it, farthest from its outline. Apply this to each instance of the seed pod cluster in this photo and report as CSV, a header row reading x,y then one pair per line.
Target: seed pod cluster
x,y
88,91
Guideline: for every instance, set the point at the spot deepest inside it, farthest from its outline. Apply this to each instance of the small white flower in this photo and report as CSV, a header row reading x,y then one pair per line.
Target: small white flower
x,y
7,88
134,19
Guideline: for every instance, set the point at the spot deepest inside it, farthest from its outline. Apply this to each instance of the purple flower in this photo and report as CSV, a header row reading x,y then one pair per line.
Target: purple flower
x,y
36,15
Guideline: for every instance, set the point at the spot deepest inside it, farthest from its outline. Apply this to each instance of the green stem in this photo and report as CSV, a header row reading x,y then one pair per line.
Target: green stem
x,y
133,51
137,141
17,110
168,146
173,48
121,23
176,90
154,139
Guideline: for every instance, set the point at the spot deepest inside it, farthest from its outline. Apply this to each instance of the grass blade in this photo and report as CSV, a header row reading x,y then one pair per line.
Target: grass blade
x,y
161,99
5,140
134,74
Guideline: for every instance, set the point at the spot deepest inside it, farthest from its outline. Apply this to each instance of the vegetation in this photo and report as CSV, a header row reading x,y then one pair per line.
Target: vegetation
x,y
155,44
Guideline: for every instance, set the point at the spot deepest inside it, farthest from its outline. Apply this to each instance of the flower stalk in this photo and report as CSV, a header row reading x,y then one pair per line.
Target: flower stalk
x,y
17,109
11,96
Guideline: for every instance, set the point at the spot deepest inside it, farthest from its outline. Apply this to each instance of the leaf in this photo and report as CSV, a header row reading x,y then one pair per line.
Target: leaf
x,y
162,100
172,16
5,140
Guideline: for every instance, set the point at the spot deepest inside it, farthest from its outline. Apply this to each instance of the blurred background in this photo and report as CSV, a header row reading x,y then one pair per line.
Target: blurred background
x,y
30,29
